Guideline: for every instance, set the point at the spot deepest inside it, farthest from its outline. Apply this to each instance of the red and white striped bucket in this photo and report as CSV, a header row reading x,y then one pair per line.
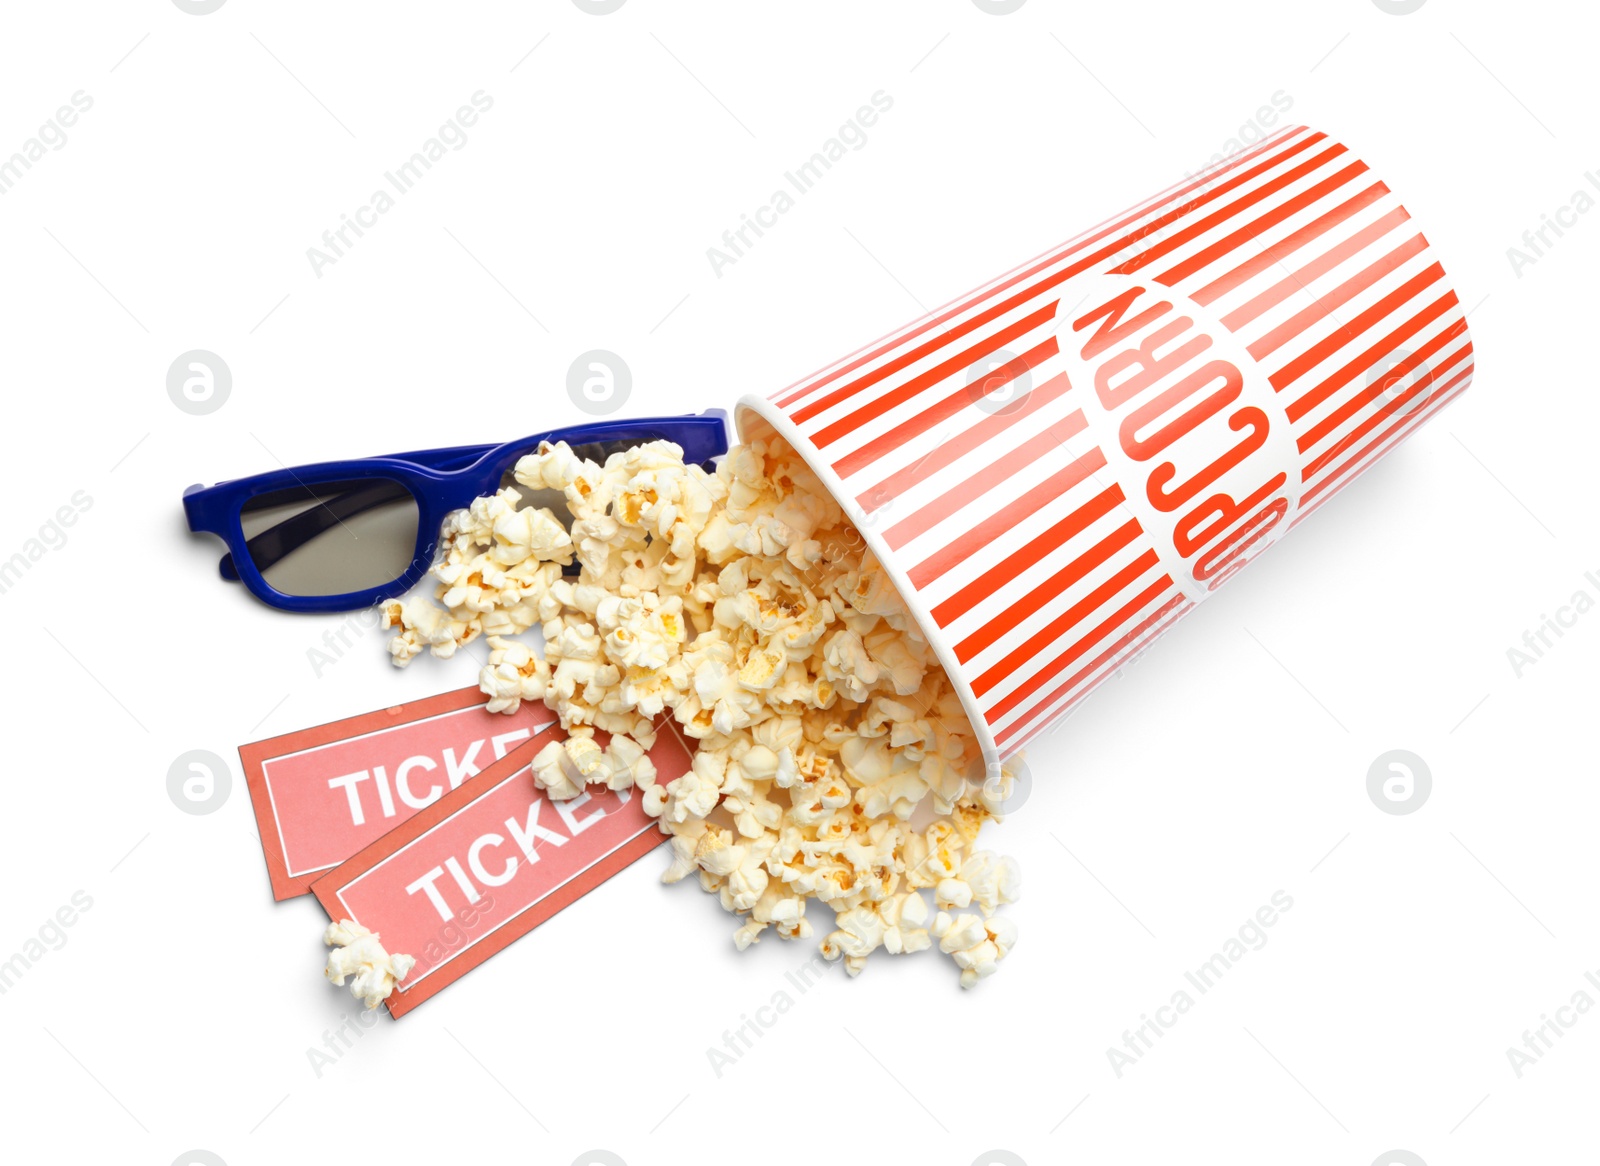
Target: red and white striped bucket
x,y
1057,467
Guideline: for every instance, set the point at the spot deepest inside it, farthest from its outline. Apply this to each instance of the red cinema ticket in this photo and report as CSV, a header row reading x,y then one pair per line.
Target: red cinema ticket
x,y
322,794
489,862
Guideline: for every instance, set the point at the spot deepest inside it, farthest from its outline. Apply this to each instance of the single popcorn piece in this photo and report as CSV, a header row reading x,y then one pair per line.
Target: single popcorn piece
x,y
834,761
977,945
562,768
514,674
992,879
423,625
357,953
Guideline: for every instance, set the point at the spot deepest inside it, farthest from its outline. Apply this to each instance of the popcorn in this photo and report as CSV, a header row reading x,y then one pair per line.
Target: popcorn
x,y
426,626
356,952
977,945
952,892
739,608
904,917
860,933
514,674
993,880
694,795
563,768
519,534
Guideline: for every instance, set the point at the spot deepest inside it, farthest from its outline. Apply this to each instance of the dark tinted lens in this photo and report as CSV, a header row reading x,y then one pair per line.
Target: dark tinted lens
x,y
330,538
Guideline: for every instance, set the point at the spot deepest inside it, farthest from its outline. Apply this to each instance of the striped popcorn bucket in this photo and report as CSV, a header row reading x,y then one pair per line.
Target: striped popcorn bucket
x,y
1059,466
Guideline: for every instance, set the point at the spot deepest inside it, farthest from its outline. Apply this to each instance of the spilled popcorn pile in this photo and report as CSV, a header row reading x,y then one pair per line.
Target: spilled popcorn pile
x,y
834,760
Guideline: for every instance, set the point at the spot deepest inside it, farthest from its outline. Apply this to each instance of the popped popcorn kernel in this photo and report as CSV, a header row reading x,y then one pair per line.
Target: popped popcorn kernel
x,y
357,953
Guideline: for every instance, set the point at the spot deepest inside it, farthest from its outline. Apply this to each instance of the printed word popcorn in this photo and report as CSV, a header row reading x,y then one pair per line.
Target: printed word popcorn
x,y
833,755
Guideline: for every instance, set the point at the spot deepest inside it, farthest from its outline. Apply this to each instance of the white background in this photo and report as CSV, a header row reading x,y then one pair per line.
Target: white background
x,y
1231,763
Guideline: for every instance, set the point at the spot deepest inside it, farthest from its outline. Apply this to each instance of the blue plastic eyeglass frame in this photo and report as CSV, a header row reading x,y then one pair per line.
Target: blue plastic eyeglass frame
x,y
440,480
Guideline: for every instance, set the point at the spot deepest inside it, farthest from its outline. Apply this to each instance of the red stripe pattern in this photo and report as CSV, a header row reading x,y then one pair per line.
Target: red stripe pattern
x,y
1024,459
